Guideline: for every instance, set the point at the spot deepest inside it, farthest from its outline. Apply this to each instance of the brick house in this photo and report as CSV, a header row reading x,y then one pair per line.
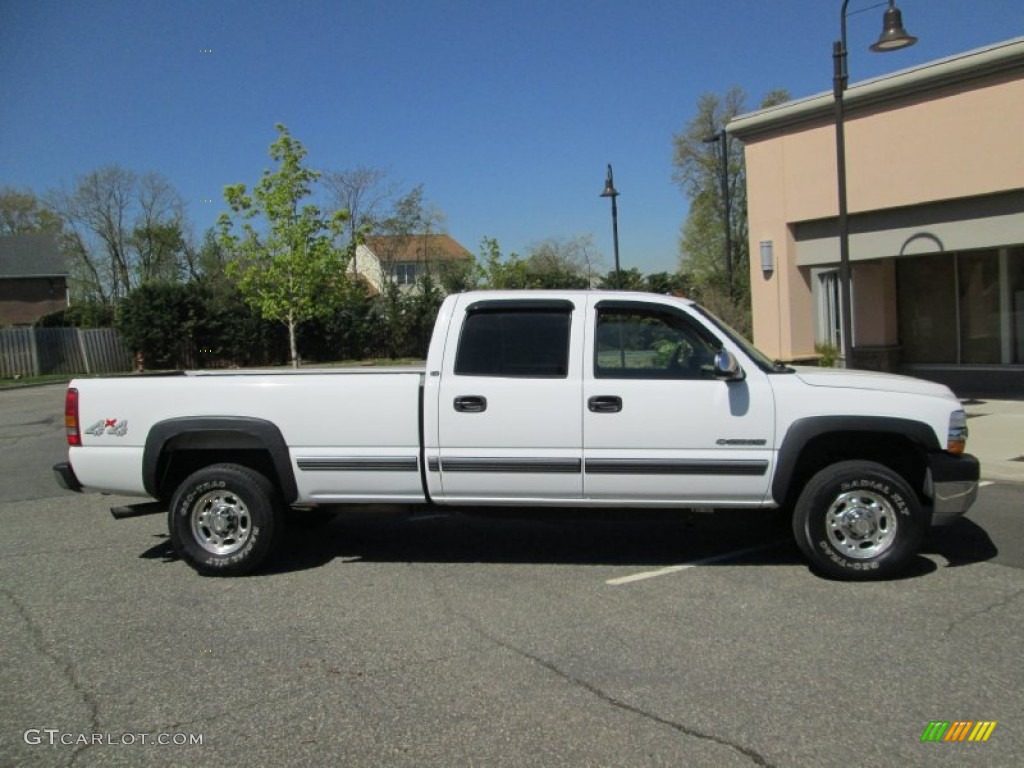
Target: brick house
x,y
33,278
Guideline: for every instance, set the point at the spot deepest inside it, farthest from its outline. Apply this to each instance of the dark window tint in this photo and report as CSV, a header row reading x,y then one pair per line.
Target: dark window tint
x,y
514,343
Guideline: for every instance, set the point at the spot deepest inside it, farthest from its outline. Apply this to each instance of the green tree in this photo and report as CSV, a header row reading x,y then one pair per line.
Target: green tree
x,y
697,169
561,263
631,279
120,230
363,193
22,213
551,263
290,268
421,311
501,272
460,276
675,283
159,321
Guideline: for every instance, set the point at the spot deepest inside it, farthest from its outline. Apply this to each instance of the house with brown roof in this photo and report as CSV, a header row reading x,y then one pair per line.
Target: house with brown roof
x,y
33,278
405,259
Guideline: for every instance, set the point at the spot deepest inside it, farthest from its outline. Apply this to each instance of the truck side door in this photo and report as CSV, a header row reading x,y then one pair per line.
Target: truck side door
x,y
659,428
507,408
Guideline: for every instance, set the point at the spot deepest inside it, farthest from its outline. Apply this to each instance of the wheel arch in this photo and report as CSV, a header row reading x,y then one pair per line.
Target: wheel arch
x,y
176,447
813,443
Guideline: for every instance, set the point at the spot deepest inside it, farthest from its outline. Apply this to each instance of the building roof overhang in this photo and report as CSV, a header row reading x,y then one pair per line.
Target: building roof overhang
x,y
998,59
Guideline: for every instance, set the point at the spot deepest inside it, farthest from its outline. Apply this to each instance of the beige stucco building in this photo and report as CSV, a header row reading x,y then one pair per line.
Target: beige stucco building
x,y
935,182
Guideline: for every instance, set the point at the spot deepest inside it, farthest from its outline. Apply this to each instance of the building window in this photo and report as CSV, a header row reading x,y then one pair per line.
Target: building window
x,y
829,314
962,308
405,274
978,294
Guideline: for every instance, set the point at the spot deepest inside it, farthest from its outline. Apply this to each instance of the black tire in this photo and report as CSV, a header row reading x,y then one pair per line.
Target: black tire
x,y
224,520
858,520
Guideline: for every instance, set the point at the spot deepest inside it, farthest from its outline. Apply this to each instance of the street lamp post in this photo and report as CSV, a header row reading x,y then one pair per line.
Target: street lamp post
x,y
893,37
723,144
610,191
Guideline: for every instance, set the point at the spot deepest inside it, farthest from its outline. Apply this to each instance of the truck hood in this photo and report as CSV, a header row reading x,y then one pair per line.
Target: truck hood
x,y
872,380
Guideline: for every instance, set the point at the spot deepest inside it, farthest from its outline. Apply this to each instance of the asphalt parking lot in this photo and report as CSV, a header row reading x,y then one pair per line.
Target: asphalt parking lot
x,y
446,640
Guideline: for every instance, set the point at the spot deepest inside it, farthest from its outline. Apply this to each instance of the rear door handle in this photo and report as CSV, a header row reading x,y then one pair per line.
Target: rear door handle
x,y
470,404
605,404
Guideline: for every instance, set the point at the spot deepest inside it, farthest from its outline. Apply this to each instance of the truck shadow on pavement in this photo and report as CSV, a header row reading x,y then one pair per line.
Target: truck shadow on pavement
x,y
565,537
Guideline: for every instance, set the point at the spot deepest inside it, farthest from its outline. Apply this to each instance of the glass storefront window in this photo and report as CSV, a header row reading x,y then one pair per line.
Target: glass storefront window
x,y
1012,280
926,295
963,308
978,289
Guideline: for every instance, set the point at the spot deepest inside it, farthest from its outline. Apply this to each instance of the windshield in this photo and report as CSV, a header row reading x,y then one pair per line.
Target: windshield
x,y
760,359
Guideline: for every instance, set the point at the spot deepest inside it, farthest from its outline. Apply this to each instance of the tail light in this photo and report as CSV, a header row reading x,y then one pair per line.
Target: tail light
x,y
71,417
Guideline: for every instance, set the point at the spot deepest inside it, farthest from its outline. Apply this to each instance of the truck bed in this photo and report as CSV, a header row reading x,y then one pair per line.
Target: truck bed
x,y
352,434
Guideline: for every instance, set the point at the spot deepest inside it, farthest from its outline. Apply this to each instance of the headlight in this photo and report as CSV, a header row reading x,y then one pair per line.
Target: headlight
x,y
957,440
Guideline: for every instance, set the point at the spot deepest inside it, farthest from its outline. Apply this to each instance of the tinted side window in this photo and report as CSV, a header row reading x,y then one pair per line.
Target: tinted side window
x,y
514,342
651,344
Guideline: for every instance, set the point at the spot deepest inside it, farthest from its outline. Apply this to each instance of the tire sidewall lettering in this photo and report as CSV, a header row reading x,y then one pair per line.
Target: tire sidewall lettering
x,y
842,562
237,557
880,487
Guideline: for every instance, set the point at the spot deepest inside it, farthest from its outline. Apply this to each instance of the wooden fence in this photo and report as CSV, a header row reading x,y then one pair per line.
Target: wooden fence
x,y
43,351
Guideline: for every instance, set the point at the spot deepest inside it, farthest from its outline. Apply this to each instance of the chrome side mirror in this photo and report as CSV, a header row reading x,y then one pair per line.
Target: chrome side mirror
x,y
727,367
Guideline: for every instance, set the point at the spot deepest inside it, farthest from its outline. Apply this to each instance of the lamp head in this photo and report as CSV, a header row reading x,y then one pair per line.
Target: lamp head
x,y
609,186
893,36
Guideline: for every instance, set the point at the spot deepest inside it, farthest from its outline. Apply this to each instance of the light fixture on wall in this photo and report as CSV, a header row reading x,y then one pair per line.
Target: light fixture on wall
x,y
767,257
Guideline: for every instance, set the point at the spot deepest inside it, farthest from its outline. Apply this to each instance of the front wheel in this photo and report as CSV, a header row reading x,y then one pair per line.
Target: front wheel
x,y
858,520
223,520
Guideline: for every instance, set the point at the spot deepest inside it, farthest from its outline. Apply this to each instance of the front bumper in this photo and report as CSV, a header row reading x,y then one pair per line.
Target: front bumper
x,y
952,485
65,476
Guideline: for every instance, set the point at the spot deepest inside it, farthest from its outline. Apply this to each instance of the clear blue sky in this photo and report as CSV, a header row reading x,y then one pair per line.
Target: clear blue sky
x,y
507,112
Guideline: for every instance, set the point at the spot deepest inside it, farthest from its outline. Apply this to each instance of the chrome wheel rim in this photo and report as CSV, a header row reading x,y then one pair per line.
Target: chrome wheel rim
x,y
221,523
861,524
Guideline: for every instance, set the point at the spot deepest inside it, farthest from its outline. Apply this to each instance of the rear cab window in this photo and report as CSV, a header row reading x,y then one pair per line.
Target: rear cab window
x,y
515,339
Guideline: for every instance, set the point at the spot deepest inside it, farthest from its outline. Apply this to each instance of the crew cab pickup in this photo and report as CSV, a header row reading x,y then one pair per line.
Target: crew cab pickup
x,y
539,399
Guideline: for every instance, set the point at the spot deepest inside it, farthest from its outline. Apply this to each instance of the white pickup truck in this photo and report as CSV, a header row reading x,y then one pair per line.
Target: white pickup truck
x,y
540,399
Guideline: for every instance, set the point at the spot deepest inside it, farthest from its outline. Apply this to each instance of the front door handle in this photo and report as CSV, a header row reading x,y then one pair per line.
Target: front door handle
x,y
470,404
605,404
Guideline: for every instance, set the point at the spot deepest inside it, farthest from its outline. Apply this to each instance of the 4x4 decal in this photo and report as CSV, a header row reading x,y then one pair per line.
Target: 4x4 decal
x,y
118,428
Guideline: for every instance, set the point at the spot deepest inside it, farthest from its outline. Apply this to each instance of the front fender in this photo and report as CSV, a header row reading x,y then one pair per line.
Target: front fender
x,y
802,431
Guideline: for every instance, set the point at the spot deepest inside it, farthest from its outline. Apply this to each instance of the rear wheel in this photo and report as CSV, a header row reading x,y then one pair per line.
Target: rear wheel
x,y
224,519
858,520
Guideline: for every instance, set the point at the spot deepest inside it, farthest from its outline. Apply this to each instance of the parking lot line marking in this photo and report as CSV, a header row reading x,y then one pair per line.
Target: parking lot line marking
x,y
983,483
686,566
